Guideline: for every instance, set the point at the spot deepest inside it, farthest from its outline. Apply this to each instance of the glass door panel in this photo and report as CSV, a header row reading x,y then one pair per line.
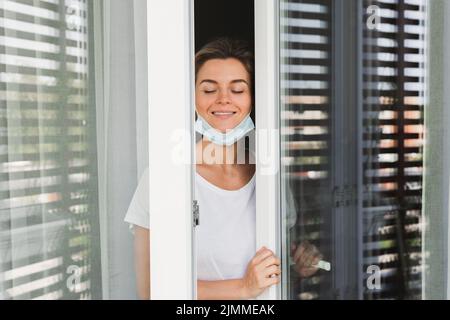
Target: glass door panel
x,y
352,112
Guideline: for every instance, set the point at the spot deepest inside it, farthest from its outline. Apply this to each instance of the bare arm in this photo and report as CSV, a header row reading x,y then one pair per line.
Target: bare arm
x,y
142,261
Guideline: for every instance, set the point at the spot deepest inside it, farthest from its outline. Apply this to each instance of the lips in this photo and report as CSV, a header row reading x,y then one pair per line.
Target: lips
x,y
223,115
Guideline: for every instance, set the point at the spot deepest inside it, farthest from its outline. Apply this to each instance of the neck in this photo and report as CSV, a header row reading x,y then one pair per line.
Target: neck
x,y
209,153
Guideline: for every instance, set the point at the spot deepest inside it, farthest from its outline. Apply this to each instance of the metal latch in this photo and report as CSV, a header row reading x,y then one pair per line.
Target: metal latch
x,y
196,213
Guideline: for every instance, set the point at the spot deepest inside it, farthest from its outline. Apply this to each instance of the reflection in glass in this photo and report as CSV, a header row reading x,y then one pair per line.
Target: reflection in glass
x,y
73,144
48,204
352,138
393,114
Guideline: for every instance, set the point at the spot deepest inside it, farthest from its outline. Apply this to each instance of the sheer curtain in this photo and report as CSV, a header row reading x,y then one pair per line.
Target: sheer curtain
x,y
122,137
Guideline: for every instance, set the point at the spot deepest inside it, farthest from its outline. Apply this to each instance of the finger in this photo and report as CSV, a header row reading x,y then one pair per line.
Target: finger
x,y
309,262
270,271
268,282
317,259
262,255
271,260
307,272
310,252
261,249
309,257
313,260
293,248
300,252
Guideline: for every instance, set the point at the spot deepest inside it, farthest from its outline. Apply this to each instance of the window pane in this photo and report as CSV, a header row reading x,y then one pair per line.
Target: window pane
x,y
393,91
73,147
352,80
49,239
306,146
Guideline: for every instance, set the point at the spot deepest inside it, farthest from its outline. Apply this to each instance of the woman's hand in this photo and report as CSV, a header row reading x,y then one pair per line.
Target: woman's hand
x,y
263,271
306,256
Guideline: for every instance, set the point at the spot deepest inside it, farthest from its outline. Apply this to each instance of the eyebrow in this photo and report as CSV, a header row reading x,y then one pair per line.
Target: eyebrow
x,y
215,82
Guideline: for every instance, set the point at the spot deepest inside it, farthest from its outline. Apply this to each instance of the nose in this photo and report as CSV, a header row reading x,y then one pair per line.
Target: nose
x,y
223,97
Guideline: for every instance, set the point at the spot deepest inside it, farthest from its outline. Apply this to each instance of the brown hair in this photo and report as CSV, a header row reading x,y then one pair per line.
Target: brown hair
x,y
225,48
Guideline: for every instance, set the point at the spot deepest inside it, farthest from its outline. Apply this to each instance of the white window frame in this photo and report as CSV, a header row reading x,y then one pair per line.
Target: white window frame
x,y
267,138
170,185
172,19
172,253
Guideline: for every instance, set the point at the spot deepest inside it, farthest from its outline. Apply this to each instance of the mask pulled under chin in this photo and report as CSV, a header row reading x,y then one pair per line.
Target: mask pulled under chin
x,y
228,138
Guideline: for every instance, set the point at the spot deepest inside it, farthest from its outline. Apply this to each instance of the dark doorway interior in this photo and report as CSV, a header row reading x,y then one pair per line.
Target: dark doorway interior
x,y
224,18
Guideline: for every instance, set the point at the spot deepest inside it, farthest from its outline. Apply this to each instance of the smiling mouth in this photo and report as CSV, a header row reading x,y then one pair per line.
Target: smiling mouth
x,y
223,113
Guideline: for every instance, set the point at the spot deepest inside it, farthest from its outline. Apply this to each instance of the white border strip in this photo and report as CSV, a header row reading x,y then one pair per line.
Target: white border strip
x,y
170,104
446,100
267,137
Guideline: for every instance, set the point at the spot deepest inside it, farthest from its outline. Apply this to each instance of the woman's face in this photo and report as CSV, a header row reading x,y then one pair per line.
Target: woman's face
x,y
223,93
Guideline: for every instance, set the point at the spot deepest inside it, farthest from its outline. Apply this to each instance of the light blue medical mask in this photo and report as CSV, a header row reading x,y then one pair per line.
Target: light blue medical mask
x,y
228,138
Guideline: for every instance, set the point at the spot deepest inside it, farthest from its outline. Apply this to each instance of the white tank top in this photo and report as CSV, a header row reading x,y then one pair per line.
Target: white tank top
x,y
226,239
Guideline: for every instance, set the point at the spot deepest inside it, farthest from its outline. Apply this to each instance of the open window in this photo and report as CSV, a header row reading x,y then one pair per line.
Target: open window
x,y
352,153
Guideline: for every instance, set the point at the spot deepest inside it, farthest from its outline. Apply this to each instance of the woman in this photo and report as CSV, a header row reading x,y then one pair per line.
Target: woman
x,y
228,265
